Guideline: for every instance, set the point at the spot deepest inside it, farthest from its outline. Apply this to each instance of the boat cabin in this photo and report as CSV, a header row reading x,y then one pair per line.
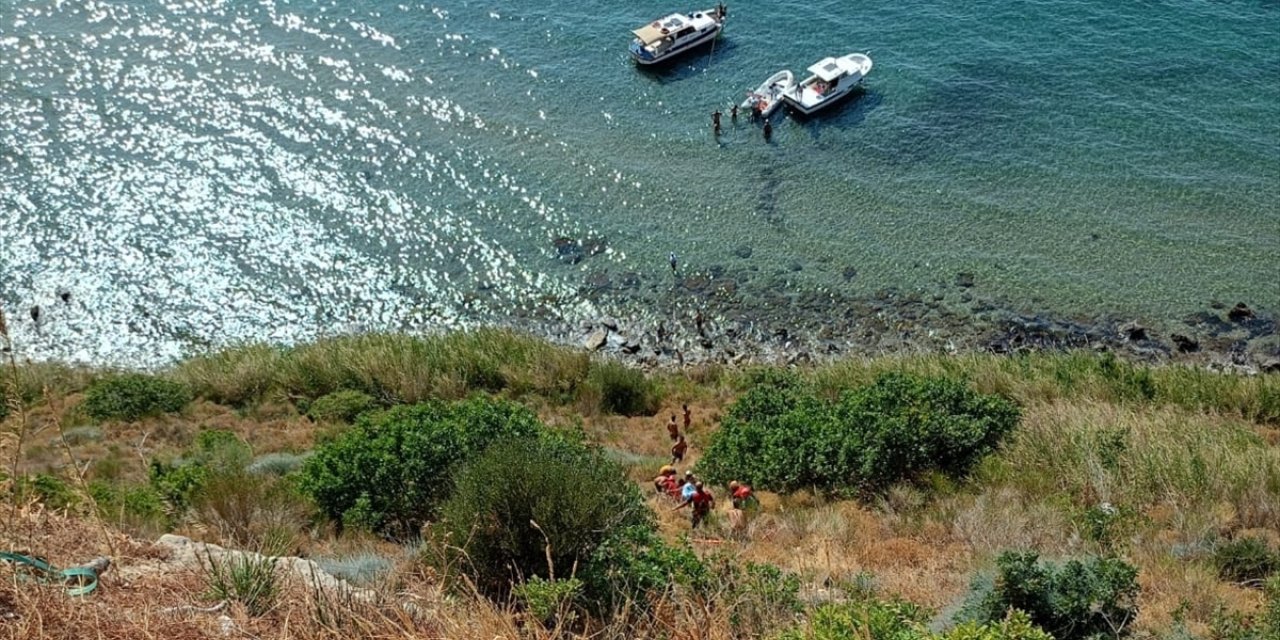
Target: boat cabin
x,y
825,76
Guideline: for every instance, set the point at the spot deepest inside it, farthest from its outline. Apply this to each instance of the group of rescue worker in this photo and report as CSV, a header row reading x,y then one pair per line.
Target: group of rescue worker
x,y
689,490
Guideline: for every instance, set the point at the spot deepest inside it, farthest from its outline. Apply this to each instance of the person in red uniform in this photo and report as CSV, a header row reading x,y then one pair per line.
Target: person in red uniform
x,y
702,502
740,495
678,449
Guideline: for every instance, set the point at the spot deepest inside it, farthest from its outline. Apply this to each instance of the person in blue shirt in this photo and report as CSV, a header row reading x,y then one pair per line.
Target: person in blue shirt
x,y
690,486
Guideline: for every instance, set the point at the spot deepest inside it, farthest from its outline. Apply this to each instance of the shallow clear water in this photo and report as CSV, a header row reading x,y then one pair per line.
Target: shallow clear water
x,y
203,172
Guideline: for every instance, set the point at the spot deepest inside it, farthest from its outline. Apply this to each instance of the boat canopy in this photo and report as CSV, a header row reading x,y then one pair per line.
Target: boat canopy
x,y
827,69
653,32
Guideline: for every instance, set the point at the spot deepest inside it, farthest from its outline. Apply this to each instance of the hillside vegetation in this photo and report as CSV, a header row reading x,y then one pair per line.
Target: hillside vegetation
x,y
500,485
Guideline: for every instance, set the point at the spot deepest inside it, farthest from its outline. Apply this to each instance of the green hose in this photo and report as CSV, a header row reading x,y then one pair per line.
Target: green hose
x,y
79,581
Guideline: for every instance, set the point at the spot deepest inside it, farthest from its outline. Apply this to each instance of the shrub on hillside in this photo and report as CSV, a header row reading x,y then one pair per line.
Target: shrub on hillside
x,y
215,453
782,436
134,396
537,507
394,467
899,620
623,390
1074,601
634,565
1246,560
341,406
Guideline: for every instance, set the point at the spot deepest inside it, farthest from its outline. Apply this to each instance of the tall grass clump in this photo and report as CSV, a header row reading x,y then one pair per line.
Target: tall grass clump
x,y
1076,375
392,468
1138,458
249,579
783,436
132,396
392,368
622,390
235,376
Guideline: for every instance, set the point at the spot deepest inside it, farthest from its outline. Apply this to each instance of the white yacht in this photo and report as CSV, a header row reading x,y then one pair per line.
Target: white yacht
x,y
675,34
768,96
832,79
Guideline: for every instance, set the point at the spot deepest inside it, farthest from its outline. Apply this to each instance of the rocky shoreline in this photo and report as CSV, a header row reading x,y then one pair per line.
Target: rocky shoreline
x,y
706,316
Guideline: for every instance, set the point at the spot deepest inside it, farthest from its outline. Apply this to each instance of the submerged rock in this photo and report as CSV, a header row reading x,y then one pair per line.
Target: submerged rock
x,y
743,251
964,279
1240,313
1184,343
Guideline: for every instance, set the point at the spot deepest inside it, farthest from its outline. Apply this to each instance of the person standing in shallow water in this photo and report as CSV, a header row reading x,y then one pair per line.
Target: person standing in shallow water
x,y
768,131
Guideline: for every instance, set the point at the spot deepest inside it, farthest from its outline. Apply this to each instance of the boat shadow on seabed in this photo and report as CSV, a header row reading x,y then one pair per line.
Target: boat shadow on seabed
x,y
849,112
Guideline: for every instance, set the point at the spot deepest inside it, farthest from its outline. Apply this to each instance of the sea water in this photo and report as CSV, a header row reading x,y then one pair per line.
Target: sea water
x,y
194,173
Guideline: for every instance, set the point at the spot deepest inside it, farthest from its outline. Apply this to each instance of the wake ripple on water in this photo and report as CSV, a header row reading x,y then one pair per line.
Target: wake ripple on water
x,y
210,172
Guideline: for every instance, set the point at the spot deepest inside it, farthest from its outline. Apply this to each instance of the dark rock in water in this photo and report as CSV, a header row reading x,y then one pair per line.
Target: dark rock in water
x,y
716,270
1217,304
631,347
1184,343
795,266
1134,332
568,250
707,343
743,251
849,273
64,295
35,314
966,297
609,323
597,339
964,279
1240,312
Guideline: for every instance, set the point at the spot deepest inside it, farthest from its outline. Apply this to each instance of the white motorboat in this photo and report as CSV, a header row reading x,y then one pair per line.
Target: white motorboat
x,y
831,79
768,96
675,34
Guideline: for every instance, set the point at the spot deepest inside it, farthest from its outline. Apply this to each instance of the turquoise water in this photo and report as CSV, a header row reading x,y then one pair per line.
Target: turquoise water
x,y
203,172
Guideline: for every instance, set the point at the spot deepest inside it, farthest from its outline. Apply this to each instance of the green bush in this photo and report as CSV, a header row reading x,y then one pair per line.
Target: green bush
x,y
215,453
878,619
138,506
49,490
782,436
1074,601
134,396
341,406
898,620
1246,560
623,390
634,565
396,465
548,601
537,507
